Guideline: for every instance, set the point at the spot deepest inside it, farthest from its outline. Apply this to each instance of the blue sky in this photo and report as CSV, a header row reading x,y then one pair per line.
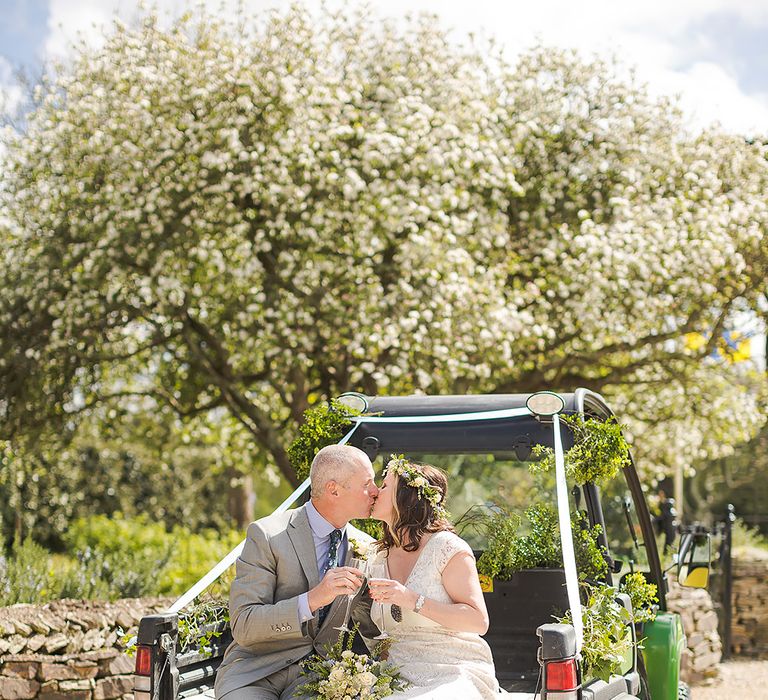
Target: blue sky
x,y
711,53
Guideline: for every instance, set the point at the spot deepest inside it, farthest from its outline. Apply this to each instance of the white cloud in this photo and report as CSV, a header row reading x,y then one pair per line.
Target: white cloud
x,y
654,36
11,93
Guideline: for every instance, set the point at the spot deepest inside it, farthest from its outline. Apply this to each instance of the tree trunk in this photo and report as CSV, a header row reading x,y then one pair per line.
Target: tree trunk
x,y
241,498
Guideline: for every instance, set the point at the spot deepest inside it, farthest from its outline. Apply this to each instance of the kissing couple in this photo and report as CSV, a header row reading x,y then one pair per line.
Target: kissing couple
x,y
293,581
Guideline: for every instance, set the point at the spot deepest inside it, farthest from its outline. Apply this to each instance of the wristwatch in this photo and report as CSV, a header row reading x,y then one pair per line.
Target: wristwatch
x,y
419,604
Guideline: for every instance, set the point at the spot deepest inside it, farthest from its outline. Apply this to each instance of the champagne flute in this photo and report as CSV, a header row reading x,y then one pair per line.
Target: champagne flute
x,y
357,564
379,570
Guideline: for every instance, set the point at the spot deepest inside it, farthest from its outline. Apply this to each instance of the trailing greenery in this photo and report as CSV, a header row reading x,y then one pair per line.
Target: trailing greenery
x,y
598,453
201,625
607,635
322,425
643,596
507,551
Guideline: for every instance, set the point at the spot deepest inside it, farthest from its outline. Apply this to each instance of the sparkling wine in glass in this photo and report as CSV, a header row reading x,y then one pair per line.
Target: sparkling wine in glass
x,y
357,564
379,570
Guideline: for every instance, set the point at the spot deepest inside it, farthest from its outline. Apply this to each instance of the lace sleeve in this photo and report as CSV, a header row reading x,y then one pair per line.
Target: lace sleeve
x,y
449,545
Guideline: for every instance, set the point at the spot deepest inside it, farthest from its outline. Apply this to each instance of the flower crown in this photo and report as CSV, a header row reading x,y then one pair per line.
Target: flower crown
x,y
407,471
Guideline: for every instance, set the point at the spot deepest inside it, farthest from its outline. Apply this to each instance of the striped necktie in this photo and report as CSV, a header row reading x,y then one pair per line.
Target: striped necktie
x,y
333,561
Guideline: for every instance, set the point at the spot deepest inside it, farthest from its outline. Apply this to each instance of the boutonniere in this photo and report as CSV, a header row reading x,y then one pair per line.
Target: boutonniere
x,y
360,550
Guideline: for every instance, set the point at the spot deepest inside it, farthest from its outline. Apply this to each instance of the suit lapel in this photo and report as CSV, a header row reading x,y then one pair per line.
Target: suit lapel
x,y
300,535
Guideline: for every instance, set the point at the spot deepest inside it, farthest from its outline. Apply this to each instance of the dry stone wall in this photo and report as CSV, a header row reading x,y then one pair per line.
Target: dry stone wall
x,y
749,630
701,659
67,649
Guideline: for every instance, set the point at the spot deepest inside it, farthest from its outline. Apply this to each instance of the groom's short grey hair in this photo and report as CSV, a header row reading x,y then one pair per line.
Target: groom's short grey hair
x,y
334,463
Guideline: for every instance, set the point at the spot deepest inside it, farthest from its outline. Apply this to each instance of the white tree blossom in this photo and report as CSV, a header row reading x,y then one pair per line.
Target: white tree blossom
x,y
257,214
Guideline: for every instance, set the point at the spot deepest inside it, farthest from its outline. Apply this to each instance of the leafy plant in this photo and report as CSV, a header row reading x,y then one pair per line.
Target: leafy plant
x,y
598,453
25,575
201,625
607,636
507,551
643,596
322,425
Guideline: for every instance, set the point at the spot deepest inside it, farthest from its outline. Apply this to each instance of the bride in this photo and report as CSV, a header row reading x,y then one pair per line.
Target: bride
x,y
428,595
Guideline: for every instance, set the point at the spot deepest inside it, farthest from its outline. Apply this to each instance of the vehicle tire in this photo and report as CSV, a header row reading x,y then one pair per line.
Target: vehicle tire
x,y
683,691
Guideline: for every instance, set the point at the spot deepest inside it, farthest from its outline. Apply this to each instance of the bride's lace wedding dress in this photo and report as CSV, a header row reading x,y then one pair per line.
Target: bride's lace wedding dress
x,y
436,661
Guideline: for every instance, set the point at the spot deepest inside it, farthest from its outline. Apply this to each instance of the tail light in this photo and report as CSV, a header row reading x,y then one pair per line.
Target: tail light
x,y
142,680
561,680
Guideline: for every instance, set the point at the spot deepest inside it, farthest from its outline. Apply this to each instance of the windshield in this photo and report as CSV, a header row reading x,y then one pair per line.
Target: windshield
x,y
489,481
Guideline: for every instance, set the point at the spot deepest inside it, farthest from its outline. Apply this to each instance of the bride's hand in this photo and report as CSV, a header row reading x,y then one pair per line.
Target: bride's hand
x,y
388,591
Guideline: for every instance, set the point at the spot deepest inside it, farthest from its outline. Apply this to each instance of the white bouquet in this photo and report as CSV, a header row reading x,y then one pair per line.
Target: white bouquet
x,y
344,675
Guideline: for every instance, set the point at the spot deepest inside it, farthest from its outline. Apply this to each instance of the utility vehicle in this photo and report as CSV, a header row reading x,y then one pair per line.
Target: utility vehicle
x,y
484,442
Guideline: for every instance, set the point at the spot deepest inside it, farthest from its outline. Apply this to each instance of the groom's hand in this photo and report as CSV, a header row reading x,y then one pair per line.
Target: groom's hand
x,y
341,580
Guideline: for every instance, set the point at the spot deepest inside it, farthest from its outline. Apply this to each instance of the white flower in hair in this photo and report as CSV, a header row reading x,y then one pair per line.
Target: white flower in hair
x,y
408,472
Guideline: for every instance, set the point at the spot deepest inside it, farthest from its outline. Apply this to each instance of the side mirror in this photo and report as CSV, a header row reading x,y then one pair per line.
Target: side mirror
x,y
693,560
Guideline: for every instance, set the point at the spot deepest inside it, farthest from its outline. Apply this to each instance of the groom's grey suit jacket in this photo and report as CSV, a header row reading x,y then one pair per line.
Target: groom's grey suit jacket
x,y
277,565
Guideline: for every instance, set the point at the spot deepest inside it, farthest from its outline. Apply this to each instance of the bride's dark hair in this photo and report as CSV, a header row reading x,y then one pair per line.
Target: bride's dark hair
x,y
413,515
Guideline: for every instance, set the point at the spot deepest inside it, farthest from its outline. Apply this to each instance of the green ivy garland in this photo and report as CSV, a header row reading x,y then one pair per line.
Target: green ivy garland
x,y
323,425
598,453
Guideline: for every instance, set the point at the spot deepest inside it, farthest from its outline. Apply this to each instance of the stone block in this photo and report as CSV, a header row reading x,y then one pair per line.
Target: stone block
x,y
55,643
7,628
38,625
119,665
83,684
5,645
70,695
708,622
20,669
36,642
22,628
57,672
84,668
75,645
17,644
114,687
18,688
705,661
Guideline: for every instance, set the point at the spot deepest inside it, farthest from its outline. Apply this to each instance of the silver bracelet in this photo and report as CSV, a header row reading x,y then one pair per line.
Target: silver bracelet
x,y
419,604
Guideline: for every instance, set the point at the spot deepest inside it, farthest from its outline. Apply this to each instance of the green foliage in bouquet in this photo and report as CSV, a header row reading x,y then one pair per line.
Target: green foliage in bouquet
x,y
607,635
507,551
643,596
323,425
343,675
598,453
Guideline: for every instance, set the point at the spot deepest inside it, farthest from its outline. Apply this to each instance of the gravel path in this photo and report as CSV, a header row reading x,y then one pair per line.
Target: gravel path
x,y
740,679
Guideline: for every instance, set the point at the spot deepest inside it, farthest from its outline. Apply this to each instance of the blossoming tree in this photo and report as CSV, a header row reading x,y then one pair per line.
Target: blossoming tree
x,y
231,221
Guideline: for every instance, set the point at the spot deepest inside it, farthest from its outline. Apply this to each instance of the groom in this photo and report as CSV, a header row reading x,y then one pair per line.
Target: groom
x,y
291,584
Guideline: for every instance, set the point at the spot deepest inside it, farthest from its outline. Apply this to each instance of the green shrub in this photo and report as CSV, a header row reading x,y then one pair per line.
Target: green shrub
x,y
193,556
507,551
25,575
748,539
